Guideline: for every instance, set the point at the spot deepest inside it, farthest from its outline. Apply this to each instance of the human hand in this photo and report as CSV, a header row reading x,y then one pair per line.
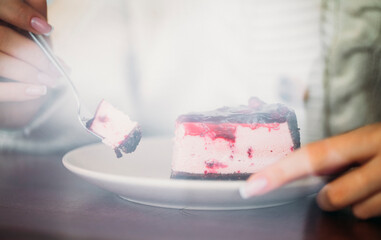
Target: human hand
x,y
21,61
359,187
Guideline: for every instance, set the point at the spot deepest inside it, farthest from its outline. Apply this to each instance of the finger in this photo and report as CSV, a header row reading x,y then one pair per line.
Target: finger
x,y
24,49
294,166
354,147
371,207
38,5
17,70
352,187
328,155
17,92
21,15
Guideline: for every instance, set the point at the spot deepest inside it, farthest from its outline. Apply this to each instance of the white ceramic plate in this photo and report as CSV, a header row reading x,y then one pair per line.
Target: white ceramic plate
x,y
143,177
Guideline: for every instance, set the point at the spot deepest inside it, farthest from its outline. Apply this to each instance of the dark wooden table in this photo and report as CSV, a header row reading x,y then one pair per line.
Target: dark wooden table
x,y
40,199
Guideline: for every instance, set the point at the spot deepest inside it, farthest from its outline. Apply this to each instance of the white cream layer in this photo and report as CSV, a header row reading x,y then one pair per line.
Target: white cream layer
x,y
111,124
201,155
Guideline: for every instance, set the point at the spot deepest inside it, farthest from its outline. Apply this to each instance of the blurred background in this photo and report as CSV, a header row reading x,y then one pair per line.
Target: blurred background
x,y
158,59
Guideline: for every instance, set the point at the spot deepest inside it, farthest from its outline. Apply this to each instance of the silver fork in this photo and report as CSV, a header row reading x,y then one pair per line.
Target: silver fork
x,y
84,115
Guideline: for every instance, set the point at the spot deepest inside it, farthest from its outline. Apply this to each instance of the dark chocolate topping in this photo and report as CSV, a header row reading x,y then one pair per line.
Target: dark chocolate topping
x,y
265,113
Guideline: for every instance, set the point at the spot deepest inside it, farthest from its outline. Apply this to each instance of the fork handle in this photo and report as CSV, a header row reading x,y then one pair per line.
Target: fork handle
x,y
44,46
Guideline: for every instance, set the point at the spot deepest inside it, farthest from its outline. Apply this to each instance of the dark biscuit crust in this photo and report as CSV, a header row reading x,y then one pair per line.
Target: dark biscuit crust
x,y
210,176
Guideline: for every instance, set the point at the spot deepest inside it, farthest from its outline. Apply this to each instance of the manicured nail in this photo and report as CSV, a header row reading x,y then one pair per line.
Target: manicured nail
x,y
41,26
46,80
36,90
252,188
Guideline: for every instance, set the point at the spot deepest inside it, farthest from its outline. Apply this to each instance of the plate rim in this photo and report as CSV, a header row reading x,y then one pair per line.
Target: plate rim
x,y
175,183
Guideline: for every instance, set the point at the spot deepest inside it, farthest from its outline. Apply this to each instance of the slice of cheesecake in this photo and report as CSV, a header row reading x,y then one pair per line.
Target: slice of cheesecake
x,y
116,128
233,142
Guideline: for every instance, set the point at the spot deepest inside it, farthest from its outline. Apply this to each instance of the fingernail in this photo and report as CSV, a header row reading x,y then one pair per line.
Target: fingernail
x,y
36,90
252,188
41,26
46,80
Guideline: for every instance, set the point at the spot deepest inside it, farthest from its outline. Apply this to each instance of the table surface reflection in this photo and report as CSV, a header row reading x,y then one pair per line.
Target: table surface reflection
x,y
40,199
